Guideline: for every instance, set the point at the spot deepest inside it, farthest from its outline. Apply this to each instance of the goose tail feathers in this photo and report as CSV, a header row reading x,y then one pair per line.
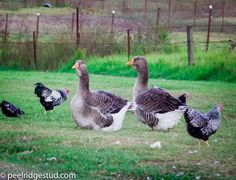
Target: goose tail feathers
x,y
132,106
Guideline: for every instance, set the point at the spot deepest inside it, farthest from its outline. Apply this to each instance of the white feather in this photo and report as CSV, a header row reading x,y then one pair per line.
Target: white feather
x,y
53,96
117,119
156,145
168,120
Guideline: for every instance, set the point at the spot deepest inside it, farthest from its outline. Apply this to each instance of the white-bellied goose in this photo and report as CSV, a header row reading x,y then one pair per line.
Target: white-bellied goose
x,y
154,107
96,110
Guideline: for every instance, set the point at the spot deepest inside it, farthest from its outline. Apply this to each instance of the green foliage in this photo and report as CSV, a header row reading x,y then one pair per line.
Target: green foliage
x,y
152,40
210,66
80,54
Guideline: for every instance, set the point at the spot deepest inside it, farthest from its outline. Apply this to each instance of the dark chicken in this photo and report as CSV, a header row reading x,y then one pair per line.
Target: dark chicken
x,y
50,98
203,125
10,110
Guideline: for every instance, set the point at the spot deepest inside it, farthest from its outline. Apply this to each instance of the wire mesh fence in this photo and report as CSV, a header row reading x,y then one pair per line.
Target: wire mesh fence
x,y
54,49
99,33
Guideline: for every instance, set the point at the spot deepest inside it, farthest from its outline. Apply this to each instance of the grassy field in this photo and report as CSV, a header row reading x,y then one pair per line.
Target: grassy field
x,y
52,143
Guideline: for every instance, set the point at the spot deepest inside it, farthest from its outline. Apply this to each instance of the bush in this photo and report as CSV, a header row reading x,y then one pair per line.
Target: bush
x,y
80,54
152,40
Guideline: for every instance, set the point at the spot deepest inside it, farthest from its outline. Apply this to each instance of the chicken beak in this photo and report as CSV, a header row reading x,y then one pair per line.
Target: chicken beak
x,y
131,62
76,66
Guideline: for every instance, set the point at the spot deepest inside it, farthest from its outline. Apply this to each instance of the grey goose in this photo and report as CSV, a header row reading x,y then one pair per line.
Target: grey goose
x,y
154,106
98,110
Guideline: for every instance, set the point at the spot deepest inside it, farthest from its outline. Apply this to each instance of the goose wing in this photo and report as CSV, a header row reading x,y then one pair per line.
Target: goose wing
x,y
156,100
106,103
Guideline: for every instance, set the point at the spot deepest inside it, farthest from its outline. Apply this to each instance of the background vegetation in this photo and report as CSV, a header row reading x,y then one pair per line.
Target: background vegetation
x,y
213,65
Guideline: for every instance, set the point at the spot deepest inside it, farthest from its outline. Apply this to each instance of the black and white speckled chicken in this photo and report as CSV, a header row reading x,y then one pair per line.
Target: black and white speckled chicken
x,y
203,125
50,98
10,109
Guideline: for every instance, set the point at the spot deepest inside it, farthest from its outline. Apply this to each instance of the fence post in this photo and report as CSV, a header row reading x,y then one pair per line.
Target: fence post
x,y
6,27
123,7
35,48
72,22
145,9
158,17
128,42
103,5
195,12
223,16
25,4
209,26
77,27
169,13
190,45
37,26
113,21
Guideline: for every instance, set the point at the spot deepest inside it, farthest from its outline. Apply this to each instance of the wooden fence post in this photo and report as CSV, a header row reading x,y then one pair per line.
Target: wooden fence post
x,y
72,22
113,21
4,47
190,45
77,27
35,48
103,5
158,17
223,16
123,7
37,26
6,28
25,3
128,43
209,26
145,9
169,12
195,12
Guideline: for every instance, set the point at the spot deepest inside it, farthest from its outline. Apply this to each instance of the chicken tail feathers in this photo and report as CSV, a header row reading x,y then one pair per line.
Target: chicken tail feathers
x,y
188,116
183,99
19,112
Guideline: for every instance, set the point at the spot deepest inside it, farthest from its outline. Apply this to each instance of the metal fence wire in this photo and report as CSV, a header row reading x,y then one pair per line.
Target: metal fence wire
x,y
151,24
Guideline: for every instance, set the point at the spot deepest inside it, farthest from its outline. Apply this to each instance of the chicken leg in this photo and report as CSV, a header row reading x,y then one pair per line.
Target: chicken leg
x,y
207,143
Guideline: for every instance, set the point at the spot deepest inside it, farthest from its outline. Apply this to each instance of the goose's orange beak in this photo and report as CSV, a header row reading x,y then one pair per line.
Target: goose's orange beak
x,y
76,66
131,62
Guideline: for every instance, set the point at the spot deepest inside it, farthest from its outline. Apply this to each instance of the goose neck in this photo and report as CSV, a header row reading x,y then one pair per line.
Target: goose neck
x,y
84,83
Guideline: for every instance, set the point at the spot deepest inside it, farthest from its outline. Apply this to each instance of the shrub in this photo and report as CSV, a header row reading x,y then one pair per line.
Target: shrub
x,y
80,54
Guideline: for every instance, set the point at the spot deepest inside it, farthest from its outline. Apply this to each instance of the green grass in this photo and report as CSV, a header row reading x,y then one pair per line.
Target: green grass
x,y
42,10
214,65
94,154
